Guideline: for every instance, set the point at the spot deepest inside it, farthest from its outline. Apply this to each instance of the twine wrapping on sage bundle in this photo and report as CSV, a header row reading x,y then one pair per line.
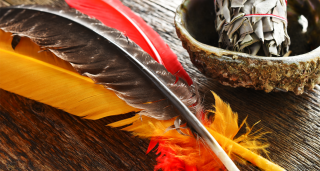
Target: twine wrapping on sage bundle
x,y
256,27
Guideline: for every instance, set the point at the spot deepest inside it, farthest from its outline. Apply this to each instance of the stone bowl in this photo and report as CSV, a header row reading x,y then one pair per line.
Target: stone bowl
x,y
195,27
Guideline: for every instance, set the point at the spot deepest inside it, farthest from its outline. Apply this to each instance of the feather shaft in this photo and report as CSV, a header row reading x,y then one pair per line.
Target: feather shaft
x,y
248,155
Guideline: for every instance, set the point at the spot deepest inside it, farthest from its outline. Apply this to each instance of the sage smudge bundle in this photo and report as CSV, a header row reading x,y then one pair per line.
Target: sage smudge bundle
x,y
256,27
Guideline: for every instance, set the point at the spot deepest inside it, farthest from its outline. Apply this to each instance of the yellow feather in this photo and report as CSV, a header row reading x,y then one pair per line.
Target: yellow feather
x,y
125,121
225,120
45,78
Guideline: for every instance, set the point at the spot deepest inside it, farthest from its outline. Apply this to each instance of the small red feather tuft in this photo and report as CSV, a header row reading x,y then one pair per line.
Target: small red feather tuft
x,y
114,14
167,159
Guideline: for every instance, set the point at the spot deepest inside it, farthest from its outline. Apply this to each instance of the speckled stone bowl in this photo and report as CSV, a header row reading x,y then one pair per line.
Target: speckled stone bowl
x,y
195,27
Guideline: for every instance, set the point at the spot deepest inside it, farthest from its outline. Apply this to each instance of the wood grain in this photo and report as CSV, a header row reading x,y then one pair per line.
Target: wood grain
x,y
38,137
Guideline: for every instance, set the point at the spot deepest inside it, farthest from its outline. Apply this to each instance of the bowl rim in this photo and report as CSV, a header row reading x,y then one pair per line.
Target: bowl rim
x,y
309,56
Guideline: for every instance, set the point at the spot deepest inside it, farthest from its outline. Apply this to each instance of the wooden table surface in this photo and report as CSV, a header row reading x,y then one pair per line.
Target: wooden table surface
x,y
34,136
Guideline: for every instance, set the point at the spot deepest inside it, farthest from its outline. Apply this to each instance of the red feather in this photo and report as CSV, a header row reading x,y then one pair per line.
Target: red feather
x,y
114,14
167,159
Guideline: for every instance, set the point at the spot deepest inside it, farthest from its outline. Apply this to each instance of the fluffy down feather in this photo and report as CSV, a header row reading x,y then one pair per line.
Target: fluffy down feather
x,y
183,152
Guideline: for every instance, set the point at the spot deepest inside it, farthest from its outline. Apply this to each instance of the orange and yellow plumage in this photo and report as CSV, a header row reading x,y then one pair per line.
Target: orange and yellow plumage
x,y
192,150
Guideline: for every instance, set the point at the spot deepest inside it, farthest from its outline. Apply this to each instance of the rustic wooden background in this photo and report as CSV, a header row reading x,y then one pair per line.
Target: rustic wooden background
x,y
34,136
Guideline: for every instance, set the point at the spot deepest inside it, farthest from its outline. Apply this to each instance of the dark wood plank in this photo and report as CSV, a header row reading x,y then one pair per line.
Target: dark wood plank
x,y
39,137
54,140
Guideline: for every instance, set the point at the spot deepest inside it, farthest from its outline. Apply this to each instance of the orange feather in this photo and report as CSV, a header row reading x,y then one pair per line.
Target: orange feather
x,y
224,128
